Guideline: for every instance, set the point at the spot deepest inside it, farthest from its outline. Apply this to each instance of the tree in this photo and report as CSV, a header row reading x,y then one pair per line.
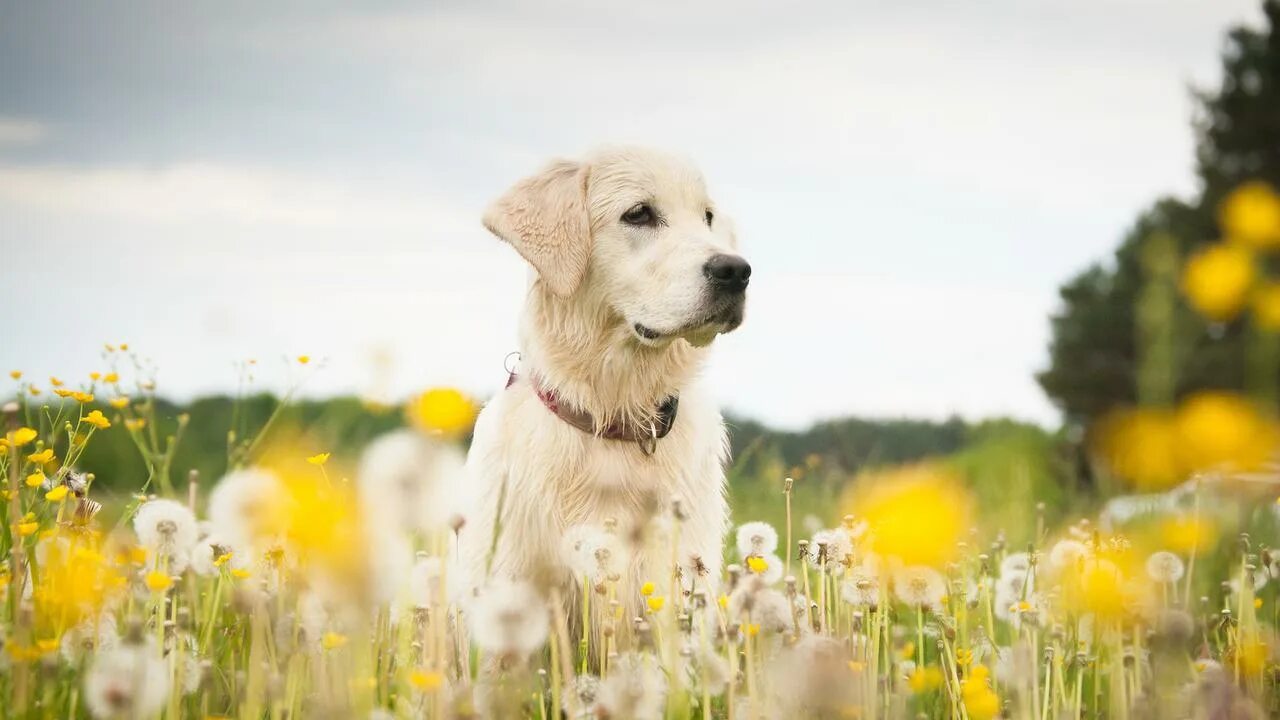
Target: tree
x,y
1096,344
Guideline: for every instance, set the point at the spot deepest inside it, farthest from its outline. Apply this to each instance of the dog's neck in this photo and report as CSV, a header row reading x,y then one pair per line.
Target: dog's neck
x,y
582,350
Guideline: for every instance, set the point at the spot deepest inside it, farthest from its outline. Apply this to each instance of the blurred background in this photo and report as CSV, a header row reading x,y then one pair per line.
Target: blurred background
x,y
942,203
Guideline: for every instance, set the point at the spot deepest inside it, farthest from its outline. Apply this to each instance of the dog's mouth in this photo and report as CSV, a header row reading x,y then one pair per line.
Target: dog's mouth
x,y
699,332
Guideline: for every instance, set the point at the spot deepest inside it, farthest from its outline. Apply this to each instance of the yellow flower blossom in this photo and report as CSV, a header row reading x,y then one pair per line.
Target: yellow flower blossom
x,y
915,513
55,381
980,701
646,589
426,681
239,573
62,392
221,559
111,378
15,374
757,564
28,528
751,629
318,459
98,420
1216,281
1140,446
95,375
1250,215
33,390
1221,431
304,359
22,436
924,679
332,640
35,479
158,581
57,494
135,423
119,403
82,397
1186,535
442,410
42,457
723,602
655,602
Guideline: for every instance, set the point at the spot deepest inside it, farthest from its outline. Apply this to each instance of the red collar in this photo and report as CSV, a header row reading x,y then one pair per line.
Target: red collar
x,y
646,436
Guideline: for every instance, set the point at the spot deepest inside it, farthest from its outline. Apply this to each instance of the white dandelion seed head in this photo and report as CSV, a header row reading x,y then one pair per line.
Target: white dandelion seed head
x,y
833,544
1065,554
243,506
920,586
129,680
636,689
593,552
772,612
427,583
167,529
1165,567
1015,563
211,547
93,635
406,481
710,671
508,618
861,586
1016,585
743,599
756,538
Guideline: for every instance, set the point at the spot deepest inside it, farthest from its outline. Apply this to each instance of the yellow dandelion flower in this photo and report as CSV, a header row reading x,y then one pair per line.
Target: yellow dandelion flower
x,y
33,390
137,555
221,559
924,679
239,573
119,403
333,640
55,381
158,582
111,378
15,374
319,459
1257,603
35,479
442,410
47,645
1250,215
304,359
757,564
655,602
124,347
1216,281
22,436
95,375
1140,446
42,457
980,701
28,528
723,602
751,629
915,513
57,494
426,681
646,589
98,420
1186,535
1222,431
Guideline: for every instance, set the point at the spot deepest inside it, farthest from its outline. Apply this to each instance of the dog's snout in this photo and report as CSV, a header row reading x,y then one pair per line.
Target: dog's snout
x,y
727,272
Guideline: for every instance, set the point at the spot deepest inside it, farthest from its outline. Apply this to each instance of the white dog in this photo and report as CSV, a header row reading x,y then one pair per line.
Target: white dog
x,y
636,272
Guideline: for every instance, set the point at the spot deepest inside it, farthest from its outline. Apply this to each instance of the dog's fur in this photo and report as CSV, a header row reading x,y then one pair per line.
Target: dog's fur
x,y
596,278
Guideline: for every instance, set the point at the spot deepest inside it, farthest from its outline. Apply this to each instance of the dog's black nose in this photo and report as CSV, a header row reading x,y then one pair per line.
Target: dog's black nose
x,y
727,272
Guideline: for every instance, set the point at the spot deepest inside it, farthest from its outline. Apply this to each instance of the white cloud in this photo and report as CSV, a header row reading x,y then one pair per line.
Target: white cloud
x,y
17,132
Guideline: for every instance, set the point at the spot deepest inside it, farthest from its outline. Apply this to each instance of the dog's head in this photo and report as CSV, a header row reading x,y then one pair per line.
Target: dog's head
x,y
636,228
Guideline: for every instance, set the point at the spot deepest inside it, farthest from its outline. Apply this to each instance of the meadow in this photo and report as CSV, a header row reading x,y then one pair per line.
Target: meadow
x,y
262,556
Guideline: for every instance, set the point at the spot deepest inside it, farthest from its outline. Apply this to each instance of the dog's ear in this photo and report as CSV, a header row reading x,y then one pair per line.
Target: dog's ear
x,y
545,219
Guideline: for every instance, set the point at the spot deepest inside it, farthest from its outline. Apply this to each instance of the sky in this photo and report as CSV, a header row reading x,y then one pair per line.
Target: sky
x,y
911,181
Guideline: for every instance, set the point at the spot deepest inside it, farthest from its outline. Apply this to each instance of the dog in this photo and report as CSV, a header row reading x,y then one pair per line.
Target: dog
x,y
635,271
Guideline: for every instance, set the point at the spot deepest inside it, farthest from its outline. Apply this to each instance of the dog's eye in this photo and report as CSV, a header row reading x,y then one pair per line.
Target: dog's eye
x,y
640,215
710,216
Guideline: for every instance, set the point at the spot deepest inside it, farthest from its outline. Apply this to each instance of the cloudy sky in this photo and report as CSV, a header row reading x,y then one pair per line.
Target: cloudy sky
x,y
912,180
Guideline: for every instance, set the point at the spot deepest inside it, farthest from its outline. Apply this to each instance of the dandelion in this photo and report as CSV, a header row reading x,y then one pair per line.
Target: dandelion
x,y
756,538
407,481
98,420
768,567
426,681
304,359
15,374
509,619
168,530
834,546
636,688
319,459
332,640
1250,215
131,680
57,494
441,411
1165,567
861,586
593,552
158,581
980,701
646,589
246,506
916,514
655,602
1216,281
925,679
920,586
1066,553
1222,431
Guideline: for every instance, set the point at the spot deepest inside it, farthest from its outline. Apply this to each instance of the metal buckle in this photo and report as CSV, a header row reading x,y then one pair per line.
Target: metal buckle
x,y
648,445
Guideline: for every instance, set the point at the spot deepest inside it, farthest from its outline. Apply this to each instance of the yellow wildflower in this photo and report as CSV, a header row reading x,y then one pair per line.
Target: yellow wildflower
x,y
751,629
1216,280
98,420
319,459
158,582
655,602
62,392
980,701
33,390
124,346
111,378
35,479
22,436
1250,215
28,528
55,381
1187,535
426,681
915,513
119,403
304,359
57,494
15,374
646,589
333,640
924,679
42,457
82,397
442,410
239,573
135,423
1140,446
95,375
1222,431
757,564
221,559
723,602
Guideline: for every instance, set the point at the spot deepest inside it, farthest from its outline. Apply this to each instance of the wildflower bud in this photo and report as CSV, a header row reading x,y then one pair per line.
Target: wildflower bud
x,y
456,522
787,484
